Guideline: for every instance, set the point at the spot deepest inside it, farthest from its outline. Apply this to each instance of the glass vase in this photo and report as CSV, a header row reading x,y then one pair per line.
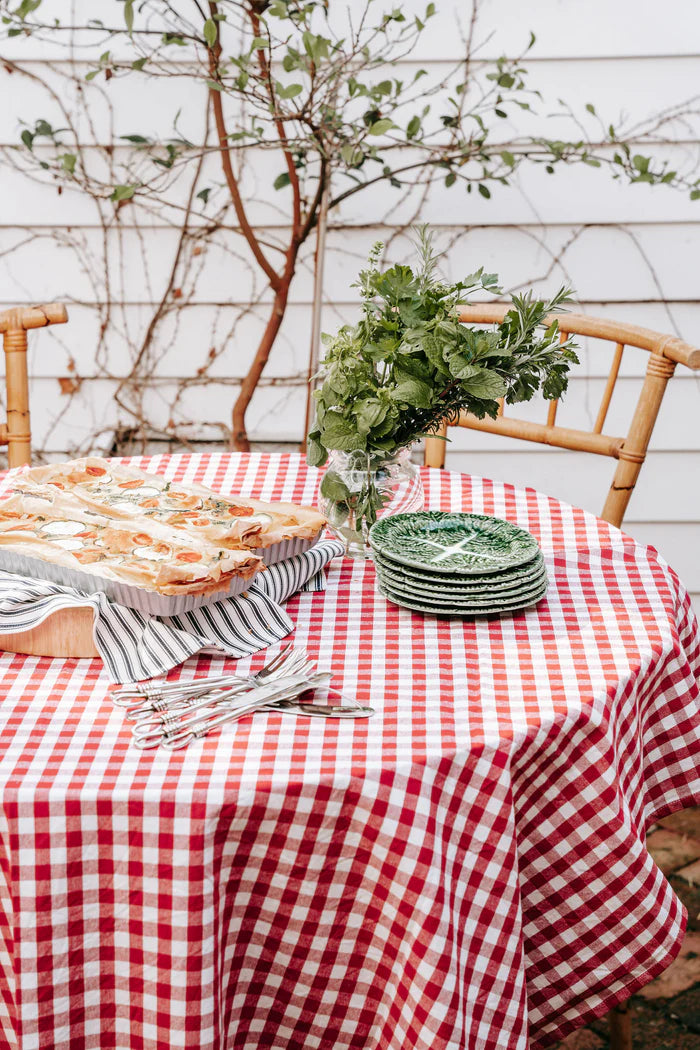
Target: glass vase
x,y
358,488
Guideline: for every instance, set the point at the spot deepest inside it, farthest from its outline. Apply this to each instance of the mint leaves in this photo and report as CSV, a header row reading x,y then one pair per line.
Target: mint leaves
x,y
409,363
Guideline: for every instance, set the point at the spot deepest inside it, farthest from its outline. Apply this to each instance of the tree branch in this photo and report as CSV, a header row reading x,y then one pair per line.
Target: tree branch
x,y
229,174
312,214
281,131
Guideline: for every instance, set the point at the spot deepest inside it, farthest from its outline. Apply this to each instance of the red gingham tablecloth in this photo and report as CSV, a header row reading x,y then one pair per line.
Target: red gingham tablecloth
x,y
465,870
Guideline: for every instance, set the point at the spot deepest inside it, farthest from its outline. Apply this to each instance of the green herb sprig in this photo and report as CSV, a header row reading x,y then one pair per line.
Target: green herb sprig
x,y
409,363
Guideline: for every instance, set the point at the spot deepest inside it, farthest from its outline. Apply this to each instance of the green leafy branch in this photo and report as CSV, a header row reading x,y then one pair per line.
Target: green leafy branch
x,y
409,363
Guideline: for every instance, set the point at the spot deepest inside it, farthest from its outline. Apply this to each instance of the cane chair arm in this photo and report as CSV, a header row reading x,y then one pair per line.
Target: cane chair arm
x,y
665,352
14,325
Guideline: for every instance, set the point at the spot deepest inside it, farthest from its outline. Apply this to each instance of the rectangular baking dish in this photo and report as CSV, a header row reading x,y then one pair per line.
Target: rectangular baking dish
x,y
148,602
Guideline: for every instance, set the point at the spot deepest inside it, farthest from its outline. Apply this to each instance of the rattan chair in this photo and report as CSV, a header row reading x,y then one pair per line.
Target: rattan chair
x,y
14,324
665,352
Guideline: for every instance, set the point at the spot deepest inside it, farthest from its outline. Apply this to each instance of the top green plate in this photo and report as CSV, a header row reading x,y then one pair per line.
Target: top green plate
x,y
452,543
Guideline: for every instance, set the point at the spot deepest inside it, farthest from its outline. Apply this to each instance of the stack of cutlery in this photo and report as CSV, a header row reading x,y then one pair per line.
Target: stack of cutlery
x,y
172,715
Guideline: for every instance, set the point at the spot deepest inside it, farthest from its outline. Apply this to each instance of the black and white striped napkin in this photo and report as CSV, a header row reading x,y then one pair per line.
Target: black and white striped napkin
x,y
134,646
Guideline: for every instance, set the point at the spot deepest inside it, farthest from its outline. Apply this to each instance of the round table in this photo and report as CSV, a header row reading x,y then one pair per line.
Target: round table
x,y
467,869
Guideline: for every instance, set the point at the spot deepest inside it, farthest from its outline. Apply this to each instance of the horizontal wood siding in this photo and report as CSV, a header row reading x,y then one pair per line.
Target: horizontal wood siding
x,y
630,252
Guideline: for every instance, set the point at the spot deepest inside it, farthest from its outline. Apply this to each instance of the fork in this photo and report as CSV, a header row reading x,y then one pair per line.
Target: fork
x,y
168,715
155,694
174,741
175,733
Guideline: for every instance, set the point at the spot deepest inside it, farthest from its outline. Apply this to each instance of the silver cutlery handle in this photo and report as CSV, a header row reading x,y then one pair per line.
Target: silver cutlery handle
x,y
202,726
175,727
149,697
155,711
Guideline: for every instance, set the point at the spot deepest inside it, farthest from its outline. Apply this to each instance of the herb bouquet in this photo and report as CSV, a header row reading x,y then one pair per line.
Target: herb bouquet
x,y
408,365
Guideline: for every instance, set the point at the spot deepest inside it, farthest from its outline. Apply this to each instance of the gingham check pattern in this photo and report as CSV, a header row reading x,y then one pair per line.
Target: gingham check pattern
x,y
465,870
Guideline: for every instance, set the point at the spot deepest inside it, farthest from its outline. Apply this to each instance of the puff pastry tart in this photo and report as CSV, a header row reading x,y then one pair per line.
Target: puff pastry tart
x,y
127,493
58,528
125,525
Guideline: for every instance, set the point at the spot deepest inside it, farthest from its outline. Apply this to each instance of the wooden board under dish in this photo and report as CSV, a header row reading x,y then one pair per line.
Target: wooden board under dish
x,y
66,633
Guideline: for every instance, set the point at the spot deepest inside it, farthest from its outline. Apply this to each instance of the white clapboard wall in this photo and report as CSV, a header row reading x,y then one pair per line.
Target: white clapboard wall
x,y
629,251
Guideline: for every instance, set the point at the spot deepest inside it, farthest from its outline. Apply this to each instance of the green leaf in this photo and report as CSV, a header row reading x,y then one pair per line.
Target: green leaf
x,y
591,108
210,32
352,155
507,158
484,191
129,15
139,63
332,486
413,127
203,195
483,383
640,163
339,433
122,193
340,383
316,455
214,86
380,127
695,195
316,47
431,346
137,139
68,162
282,180
450,179
413,392
26,8
369,413
27,138
259,43
291,91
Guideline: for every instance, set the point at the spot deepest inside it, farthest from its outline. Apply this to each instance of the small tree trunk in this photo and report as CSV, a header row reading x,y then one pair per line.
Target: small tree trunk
x,y
239,437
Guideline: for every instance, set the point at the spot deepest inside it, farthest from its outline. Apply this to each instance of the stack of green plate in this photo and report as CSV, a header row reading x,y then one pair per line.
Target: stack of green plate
x,y
457,564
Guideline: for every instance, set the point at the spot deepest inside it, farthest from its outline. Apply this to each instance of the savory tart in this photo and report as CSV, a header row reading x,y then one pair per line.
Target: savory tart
x,y
124,492
58,528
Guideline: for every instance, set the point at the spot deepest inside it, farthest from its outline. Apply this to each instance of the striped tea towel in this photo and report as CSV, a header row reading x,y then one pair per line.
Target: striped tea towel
x,y
135,646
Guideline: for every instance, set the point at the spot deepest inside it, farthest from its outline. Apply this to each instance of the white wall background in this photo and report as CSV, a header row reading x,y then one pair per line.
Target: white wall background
x,y
630,252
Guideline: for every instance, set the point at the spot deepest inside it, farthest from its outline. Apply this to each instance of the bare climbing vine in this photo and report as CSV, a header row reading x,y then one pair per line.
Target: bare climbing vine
x,y
263,106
